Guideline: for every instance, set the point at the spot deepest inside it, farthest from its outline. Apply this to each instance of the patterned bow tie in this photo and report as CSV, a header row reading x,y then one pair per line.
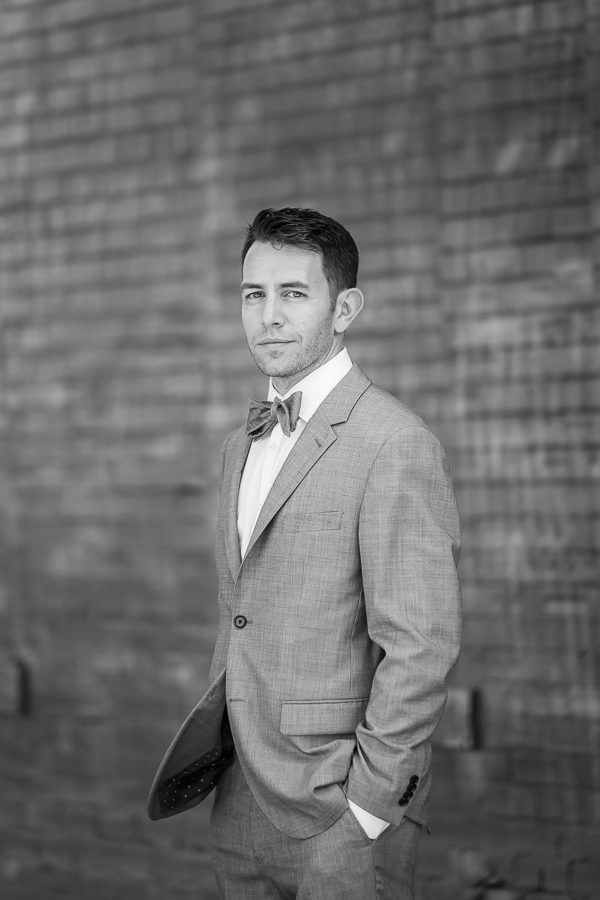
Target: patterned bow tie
x,y
264,415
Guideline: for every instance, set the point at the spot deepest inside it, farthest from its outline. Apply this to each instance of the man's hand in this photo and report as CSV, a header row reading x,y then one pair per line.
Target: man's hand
x,y
370,824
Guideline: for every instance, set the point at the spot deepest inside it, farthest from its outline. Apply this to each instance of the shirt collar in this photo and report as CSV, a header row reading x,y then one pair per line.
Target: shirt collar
x,y
318,384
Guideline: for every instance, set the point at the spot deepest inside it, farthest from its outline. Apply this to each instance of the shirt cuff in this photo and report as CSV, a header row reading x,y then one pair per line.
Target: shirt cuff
x,y
370,824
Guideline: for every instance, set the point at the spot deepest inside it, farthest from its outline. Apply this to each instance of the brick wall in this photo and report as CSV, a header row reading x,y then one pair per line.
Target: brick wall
x,y
459,141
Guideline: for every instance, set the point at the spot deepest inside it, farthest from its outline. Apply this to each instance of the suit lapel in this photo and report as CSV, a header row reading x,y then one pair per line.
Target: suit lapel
x,y
232,477
316,438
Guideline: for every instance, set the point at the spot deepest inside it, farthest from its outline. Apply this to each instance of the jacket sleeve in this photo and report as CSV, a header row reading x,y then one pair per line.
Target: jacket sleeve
x,y
409,537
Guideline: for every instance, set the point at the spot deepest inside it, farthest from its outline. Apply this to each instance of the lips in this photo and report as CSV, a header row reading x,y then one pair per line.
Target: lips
x,y
263,343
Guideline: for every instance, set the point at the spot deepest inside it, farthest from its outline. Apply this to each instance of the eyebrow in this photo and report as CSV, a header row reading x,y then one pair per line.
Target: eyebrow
x,y
246,285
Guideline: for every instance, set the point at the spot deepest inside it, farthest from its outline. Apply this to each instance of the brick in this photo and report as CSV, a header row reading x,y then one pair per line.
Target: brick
x,y
457,727
582,876
502,893
509,801
12,699
527,870
575,768
471,865
543,895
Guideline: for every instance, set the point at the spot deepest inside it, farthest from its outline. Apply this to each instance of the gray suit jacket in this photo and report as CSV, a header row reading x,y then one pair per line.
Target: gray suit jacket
x,y
337,629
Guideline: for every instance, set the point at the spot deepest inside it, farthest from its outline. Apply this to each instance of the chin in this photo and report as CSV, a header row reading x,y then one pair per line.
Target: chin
x,y
275,367
277,371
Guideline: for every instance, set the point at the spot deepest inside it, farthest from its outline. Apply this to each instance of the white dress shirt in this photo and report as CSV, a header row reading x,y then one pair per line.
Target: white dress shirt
x,y
265,459
268,454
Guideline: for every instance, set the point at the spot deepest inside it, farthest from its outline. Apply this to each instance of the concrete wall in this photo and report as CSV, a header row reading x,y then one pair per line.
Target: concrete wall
x,y
459,140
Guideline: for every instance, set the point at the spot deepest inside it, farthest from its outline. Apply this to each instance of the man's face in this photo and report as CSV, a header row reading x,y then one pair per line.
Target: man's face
x,y
286,312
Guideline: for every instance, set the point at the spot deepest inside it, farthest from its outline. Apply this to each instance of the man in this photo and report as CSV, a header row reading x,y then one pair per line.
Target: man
x,y
337,542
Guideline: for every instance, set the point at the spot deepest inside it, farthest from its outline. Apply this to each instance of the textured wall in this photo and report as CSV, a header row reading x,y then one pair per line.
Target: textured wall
x,y
459,140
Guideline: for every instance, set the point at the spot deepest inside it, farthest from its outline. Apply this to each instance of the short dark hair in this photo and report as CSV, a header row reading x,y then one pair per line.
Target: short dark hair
x,y
309,230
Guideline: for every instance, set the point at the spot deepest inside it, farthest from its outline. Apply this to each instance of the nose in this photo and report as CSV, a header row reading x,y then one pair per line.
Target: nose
x,y
273,315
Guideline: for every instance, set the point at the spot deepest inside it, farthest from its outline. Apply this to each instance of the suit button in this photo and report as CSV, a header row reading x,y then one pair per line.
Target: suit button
x,y
403,801
240,621
414,780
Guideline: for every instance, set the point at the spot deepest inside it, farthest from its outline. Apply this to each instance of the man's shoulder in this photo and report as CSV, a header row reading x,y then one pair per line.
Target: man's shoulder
x,y
233,437
382,413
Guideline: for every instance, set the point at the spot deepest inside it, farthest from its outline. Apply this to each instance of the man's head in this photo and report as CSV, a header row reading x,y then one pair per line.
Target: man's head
x,y
308,229
299,294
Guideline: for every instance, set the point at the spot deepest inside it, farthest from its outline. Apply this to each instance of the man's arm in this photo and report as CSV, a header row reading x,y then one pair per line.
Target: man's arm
x,y
409,537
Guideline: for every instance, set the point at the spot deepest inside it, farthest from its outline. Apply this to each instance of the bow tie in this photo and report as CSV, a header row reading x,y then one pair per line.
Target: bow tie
x,y
264,415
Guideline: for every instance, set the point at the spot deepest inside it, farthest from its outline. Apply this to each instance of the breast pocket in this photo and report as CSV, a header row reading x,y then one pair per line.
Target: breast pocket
x,y
329,520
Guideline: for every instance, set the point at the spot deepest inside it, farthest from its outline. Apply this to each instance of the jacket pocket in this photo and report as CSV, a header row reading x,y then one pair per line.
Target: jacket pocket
x,y
322,716
314,521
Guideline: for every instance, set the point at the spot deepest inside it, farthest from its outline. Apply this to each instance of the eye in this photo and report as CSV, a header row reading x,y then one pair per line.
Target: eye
x,y
294,295
253,296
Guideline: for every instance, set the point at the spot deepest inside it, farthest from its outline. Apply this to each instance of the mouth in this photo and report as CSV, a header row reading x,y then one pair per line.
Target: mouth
x,y
267,343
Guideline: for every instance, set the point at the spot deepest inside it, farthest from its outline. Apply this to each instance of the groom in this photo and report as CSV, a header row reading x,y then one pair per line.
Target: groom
x,y
337,543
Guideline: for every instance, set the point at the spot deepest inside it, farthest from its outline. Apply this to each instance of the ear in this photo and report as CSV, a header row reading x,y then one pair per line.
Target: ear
x,y
347,306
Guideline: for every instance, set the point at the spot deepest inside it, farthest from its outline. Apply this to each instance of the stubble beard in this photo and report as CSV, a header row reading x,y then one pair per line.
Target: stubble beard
x,y
287,368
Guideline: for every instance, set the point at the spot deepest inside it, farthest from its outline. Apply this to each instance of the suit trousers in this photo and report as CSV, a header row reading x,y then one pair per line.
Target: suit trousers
x,y
253,860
